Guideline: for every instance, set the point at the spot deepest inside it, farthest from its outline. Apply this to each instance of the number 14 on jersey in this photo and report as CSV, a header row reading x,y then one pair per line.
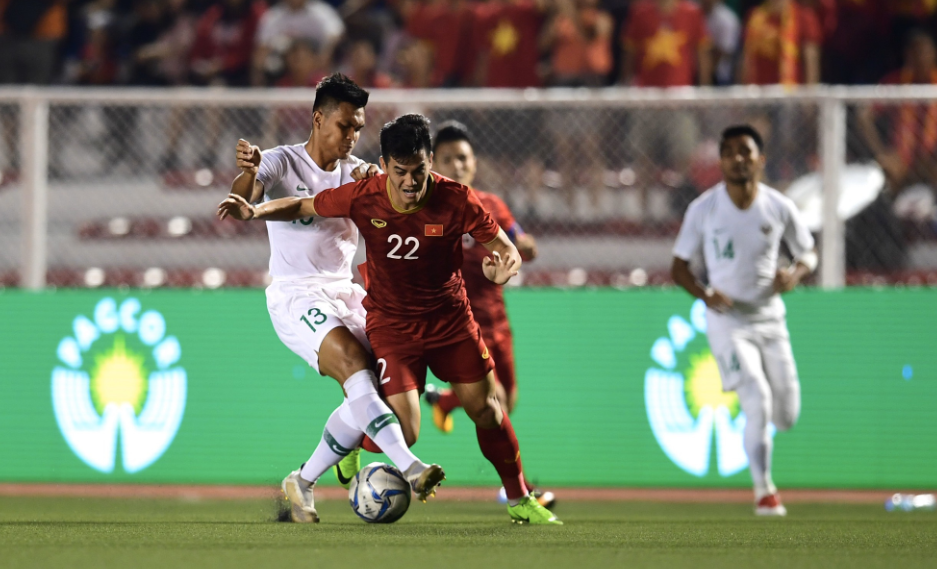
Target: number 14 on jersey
x,y
726,252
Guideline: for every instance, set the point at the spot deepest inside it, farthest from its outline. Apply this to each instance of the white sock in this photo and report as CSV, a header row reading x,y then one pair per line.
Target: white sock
x,y
338,439
375,418
755,400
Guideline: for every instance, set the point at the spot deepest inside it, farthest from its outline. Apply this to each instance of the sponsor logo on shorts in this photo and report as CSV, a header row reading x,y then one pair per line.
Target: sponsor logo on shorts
x,y
118,374
433,230
379,223
686,406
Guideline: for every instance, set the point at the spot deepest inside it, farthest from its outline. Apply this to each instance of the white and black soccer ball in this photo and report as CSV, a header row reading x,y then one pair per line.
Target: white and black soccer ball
x,y
379,494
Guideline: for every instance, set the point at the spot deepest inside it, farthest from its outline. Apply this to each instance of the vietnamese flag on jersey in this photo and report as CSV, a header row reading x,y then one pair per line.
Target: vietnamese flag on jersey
x,y
433,230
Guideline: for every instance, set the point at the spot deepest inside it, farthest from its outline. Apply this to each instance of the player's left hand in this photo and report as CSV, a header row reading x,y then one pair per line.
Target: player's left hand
x,y
499,270
236,207
365,171
784,281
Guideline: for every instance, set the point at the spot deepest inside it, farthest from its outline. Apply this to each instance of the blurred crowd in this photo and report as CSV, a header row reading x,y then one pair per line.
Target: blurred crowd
x,y
458,43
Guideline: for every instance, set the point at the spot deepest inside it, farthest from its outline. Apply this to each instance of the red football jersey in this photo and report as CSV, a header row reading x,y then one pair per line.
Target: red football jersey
x,y
413,258
665,44
509,34
486,297
765,47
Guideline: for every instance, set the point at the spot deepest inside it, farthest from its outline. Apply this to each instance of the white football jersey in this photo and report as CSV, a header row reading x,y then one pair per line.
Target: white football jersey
x,y
740,247
314,246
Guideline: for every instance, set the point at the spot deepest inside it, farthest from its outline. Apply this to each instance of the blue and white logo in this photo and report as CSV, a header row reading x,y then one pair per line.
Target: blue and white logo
x,y
119,373
686,404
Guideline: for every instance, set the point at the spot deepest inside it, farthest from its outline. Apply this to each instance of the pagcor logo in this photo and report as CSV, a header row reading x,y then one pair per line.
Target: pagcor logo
x,y
686,404
119,373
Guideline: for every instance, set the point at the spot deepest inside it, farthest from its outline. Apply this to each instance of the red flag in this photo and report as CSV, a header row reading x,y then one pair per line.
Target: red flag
x,y
433,230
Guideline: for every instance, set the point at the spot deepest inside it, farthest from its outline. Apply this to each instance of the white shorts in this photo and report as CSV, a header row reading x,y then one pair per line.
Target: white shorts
x,y
304,312
751,350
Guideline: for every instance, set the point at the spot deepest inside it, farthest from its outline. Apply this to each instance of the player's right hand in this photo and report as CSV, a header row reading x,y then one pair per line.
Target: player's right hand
x,y
236,207
717,301
498,269
248,157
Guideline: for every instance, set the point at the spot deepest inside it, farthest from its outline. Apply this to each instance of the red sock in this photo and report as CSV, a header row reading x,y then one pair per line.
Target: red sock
x,y
370,446
448,401
501,448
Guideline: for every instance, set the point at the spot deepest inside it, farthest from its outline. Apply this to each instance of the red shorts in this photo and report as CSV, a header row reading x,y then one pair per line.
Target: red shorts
x,y
500,341
448,342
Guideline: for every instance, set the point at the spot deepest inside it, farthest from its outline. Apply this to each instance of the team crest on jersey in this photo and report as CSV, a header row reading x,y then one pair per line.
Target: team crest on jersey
x,y
766,229
379,223
433,230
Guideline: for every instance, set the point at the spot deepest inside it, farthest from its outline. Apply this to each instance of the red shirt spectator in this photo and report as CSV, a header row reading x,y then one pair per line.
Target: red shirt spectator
x,y
361,66
907,153
827,13
506,36
445,27
914,133
782,40
664,41
303,66
224,42
580,39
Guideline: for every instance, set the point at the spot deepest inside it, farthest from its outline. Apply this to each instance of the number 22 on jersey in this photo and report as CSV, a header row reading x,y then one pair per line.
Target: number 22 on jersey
x,y
399,242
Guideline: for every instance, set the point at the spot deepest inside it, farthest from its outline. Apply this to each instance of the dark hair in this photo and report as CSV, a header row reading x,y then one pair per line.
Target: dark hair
x,y
404,137
336,89
451,131
738,130
915,35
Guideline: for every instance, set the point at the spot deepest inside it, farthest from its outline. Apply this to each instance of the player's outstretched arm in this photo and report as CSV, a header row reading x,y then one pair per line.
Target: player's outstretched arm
x,y
526,246
681,274
283,209
248,160
504,261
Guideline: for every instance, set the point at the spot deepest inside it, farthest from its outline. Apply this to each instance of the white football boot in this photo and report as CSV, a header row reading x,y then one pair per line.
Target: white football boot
x,y
424,479
302,503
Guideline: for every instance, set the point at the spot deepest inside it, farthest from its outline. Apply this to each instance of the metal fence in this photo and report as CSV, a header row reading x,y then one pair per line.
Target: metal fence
x,y
118,187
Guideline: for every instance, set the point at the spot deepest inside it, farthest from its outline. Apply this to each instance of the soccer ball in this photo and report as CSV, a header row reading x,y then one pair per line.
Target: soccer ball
x,y
379,494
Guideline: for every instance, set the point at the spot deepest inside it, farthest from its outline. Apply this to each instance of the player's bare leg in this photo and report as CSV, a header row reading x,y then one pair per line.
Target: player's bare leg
x,y
499,445
445,401
406,406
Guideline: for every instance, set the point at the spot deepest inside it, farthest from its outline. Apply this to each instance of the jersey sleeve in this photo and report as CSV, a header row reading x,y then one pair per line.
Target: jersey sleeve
x,y
273,165
477,221
500,211
336,202
810,24
690,239
796,233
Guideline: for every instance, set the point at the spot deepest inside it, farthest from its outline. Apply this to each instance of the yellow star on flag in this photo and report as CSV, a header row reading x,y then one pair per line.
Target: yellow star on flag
x,y
505,38
664,47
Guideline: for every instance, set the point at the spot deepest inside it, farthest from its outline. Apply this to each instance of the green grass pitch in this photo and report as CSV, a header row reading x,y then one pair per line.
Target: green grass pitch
x,y
171,534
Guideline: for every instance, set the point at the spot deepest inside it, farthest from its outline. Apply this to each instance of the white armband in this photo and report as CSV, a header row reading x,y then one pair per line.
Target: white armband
x,y
809,260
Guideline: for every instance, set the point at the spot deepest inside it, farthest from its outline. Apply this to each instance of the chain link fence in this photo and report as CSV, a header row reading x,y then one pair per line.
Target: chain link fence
x,y
601,178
